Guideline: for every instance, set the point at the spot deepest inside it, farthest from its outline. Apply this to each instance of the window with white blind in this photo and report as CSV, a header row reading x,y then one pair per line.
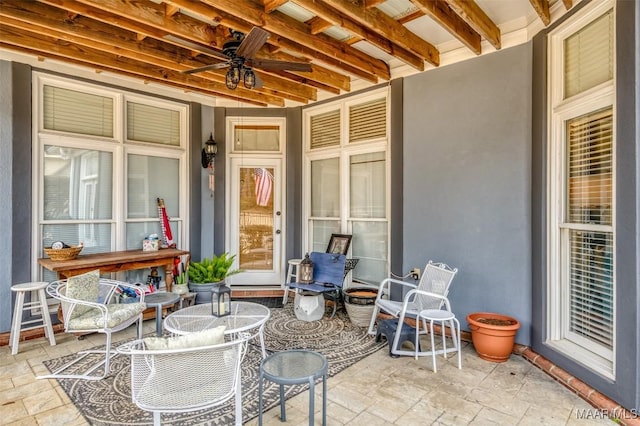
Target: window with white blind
x,y
346,179
104,157
581,315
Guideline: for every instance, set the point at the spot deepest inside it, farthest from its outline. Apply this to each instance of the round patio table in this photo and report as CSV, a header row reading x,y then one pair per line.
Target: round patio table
x,y
294,367
245,317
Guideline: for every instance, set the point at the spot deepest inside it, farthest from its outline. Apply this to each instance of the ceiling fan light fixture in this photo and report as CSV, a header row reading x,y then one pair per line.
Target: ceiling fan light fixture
x,y
229,79
249,79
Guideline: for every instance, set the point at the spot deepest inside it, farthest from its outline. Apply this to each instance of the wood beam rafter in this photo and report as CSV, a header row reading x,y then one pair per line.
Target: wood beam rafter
x,y
90,33
387,27
360,32
99,59
440,12
470,12
318,25
542,9
319,74
289,30
271,5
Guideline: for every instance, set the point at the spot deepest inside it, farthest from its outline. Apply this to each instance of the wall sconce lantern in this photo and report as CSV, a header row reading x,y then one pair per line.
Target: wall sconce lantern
x,y
209,152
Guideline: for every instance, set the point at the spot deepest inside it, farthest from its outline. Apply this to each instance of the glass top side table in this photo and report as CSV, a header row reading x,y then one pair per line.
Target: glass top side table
x,y
295,367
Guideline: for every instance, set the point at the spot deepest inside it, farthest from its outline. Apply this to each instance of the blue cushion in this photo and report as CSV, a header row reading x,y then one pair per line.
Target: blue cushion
x,y
328,268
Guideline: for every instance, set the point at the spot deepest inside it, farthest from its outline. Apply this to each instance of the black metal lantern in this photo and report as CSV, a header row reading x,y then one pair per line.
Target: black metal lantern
x,y
220,301
209,152
305,273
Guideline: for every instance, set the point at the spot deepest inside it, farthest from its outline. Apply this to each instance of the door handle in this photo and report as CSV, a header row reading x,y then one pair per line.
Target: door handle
x,y
278,231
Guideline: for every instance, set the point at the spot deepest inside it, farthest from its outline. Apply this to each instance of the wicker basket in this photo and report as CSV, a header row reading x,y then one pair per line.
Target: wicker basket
x,y
359,303
63,253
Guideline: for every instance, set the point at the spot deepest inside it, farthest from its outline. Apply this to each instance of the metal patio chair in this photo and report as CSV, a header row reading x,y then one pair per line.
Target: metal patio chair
x,y
436,280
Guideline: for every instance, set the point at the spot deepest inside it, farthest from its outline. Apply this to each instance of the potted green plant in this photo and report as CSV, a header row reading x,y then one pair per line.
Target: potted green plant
x,y
209,272
493,335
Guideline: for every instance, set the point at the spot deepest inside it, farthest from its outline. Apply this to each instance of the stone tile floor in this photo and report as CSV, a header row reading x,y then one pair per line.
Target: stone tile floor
x,y
378,390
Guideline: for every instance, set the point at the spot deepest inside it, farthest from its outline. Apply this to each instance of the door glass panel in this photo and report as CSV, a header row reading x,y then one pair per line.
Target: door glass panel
x,y
256,218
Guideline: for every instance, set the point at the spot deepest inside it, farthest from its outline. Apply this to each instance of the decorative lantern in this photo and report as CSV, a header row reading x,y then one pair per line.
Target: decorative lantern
x,y
305,274
220,301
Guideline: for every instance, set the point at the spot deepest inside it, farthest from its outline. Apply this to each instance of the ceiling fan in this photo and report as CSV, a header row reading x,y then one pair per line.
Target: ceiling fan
x,y
239,50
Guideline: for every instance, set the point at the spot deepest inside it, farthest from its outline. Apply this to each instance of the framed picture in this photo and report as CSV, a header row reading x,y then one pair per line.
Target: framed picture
x,y
339,243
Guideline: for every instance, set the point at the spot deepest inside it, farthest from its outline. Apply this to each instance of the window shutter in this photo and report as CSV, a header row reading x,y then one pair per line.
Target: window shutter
x,y
588,56
147,123
71,111
325,129
368,120
590,150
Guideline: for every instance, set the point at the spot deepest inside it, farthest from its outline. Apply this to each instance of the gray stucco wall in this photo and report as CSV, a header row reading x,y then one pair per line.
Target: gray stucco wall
x,y
467,156
15,178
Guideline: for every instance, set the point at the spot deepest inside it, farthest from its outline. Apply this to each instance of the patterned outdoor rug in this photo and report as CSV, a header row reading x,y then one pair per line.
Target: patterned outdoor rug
x,y
108,401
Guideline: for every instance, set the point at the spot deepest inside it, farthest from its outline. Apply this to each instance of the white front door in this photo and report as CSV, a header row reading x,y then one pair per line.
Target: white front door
x,y
255,219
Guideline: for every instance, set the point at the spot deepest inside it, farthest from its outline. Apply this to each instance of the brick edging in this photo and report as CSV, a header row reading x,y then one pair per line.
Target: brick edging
x,y
610,409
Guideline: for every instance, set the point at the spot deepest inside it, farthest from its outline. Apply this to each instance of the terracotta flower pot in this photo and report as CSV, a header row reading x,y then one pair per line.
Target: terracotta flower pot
x,y
493,335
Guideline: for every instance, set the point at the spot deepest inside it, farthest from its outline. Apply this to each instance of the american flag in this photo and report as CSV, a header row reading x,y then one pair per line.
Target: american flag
x,y
264,183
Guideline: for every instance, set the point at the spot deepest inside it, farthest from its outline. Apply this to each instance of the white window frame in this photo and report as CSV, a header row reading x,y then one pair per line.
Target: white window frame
x,y
343,152
590,355
119,148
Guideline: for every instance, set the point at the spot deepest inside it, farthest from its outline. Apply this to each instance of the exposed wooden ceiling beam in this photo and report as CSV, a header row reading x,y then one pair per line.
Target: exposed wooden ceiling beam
x,y
91,57
288,28
478,20
372,3
95,34
318,25
271,5
318,73
170,10
386,26
542,9
440,12
335,18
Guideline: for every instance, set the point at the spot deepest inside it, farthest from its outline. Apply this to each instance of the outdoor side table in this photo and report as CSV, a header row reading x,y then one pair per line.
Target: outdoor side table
x,y
158,300
292,368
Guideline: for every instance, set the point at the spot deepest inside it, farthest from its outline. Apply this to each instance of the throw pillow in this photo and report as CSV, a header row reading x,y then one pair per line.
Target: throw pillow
x,y
213,336
83,287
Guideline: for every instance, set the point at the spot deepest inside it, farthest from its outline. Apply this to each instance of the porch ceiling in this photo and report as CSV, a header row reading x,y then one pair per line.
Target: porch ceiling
x,y
349,44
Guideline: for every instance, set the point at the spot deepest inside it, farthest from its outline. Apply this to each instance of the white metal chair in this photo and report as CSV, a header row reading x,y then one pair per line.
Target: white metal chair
x,y
89,306
444,316
436,280
185,379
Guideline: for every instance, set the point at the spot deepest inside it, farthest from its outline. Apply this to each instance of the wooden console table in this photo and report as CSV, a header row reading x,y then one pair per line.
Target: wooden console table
x,y
116,261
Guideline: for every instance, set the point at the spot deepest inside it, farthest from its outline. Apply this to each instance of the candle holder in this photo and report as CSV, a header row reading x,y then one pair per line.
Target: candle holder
x,y
220,301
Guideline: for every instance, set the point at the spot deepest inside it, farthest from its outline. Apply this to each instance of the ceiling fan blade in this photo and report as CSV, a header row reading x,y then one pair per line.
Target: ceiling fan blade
x,y
215,66
252,42
259,82
270,64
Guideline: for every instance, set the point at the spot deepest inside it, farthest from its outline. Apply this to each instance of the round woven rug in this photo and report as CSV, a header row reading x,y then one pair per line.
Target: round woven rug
x,y
108,401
